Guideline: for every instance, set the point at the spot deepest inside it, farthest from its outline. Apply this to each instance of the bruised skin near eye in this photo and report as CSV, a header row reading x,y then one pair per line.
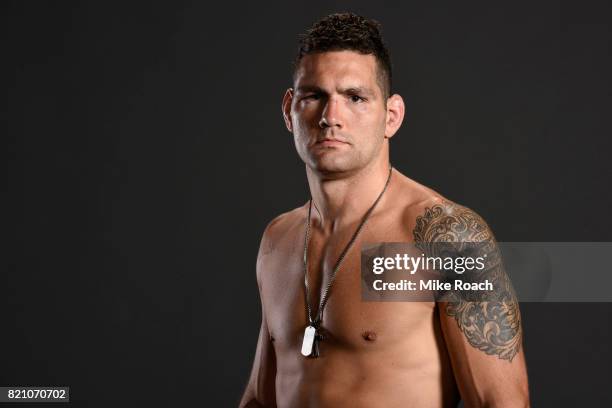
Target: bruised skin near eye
x,y
493,327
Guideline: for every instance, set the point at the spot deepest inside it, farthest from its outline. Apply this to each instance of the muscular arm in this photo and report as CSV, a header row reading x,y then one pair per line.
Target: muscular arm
x,y
483,337
260,390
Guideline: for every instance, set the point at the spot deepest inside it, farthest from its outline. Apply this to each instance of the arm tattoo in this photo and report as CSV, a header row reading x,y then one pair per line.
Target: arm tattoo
x,y
493,325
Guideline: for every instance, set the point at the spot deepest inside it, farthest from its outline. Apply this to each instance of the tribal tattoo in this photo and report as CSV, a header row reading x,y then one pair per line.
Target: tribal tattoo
x,y
492,325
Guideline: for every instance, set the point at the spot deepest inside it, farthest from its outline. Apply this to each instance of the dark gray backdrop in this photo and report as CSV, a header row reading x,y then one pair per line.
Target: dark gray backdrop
x,y
145,153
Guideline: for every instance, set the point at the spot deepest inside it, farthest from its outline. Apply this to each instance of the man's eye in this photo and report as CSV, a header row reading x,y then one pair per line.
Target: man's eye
x,y
312,96
356,99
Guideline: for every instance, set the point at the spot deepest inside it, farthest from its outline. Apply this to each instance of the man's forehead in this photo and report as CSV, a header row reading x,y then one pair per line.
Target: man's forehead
x,y
350,67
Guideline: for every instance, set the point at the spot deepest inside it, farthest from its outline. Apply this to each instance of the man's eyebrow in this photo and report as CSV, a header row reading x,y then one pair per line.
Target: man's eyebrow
x,y
349,90
361,90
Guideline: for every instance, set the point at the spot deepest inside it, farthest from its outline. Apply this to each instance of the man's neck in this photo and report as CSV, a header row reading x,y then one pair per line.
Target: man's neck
x,y
344,201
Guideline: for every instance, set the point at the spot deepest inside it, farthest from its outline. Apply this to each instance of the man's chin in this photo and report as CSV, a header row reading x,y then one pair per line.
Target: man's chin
x,y
333,168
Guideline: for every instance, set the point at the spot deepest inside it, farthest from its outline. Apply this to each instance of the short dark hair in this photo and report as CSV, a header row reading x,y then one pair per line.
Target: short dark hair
x,y
348,31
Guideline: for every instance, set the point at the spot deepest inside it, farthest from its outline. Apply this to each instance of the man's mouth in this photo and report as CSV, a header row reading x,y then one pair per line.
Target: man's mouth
x,y
330,142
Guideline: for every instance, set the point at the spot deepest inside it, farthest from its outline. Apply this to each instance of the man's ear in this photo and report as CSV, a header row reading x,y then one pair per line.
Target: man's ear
x,y
395,115
286,107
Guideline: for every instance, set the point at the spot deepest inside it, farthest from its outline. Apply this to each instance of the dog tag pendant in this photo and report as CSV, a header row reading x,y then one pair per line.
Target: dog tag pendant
x,y
309,339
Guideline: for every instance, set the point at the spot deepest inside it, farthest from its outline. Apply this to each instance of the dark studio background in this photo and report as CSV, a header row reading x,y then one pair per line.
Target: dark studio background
x,y
145,153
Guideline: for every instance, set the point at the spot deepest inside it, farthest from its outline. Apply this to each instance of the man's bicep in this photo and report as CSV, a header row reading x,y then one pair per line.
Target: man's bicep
x,y
483,340
261,390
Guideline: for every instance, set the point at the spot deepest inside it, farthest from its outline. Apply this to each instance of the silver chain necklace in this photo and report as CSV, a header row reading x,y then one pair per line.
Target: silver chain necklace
x,y
310,344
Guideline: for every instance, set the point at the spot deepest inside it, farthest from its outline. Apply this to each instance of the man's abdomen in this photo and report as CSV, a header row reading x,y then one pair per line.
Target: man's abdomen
x,y
414,372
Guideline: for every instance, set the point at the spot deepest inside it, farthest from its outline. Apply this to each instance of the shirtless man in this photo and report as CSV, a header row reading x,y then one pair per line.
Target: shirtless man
x,y
372,354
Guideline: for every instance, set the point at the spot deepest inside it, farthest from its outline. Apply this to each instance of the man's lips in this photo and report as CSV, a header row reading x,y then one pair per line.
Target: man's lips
x,y
329,142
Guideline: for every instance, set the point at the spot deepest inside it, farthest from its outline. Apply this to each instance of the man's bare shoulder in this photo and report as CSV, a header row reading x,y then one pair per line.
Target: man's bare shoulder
x,y
280,237
282,227
283,224
431,213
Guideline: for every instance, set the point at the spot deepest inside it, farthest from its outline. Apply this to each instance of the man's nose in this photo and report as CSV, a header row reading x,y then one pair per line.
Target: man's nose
x,y
331,114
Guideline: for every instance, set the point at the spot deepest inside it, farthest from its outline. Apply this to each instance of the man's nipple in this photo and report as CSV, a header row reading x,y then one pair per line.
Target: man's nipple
x,y
369,335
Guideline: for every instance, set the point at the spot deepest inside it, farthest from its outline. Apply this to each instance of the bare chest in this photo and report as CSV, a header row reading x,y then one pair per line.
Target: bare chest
x,y
348,323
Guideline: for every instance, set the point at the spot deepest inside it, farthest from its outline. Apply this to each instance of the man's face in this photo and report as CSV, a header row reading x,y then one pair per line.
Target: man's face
x,y
337,111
